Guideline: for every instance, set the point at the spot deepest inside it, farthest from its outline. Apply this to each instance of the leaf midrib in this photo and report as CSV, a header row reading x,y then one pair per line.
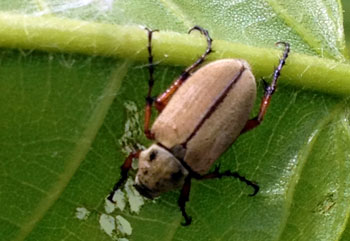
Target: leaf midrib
x,y
129,42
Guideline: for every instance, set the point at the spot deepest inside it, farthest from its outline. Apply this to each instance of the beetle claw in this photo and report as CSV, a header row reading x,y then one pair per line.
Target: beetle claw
x,y
285,44
217,169
200,29
256,189
188,221
205,33
150,30
265,83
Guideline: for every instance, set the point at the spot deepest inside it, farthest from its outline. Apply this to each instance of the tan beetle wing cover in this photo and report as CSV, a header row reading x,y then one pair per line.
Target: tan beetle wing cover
x,y
190,106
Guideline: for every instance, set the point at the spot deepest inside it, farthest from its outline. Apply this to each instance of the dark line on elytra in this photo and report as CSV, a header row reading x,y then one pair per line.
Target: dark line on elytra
x,y
213,107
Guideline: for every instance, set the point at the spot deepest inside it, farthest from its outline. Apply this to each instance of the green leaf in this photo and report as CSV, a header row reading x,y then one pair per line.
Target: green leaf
x,y
73,78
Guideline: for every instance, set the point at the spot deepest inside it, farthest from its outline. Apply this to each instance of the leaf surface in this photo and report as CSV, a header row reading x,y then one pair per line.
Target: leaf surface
x,y
73,79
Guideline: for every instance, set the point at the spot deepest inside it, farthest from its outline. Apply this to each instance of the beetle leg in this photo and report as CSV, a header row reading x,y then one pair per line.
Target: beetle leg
x,y
164,98
269,90
217,174
124,173
184,197
149,99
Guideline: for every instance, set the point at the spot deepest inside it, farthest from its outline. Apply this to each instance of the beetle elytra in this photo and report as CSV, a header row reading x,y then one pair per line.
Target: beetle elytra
x,y
201,115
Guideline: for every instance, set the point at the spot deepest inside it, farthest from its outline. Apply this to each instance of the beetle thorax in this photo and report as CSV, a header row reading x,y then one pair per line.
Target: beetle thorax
x,y
159,171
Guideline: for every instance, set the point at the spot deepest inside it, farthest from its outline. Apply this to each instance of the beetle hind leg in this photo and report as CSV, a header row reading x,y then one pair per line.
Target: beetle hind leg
x,y
269,90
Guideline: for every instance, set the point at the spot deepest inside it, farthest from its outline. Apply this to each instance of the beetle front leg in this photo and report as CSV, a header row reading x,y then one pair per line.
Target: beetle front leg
x,y
269,90
164,98
124,169
184,197
149,99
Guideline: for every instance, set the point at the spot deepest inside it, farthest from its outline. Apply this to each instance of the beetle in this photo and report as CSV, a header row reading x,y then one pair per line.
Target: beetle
x,y
201,114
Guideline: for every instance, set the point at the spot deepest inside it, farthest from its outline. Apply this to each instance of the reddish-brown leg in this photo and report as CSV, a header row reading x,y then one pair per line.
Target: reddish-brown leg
x,y
149,99
124,173
163,99
269,90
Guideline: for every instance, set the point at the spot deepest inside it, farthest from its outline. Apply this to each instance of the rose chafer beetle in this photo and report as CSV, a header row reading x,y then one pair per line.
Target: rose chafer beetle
x,y
201,114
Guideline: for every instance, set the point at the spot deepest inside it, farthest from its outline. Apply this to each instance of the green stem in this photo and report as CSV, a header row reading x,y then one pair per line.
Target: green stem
x,y
66,35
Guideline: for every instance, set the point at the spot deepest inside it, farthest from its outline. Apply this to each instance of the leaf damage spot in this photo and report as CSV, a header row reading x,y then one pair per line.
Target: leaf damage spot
x,y
82,213
119,198
116,227
107,224
123,225
109,206
119,227
136,201
132,131
324,207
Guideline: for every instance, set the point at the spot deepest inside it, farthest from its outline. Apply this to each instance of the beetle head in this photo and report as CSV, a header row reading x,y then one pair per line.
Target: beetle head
x,y
159,171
